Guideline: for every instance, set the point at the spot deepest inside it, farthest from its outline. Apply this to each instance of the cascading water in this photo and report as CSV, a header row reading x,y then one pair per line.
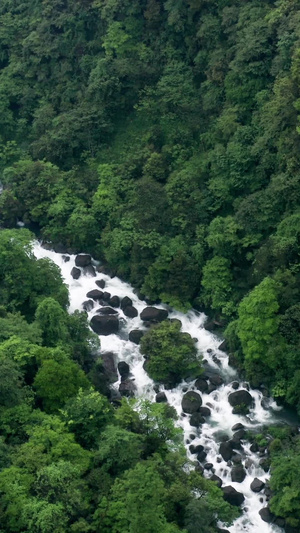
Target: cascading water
x,y
221,420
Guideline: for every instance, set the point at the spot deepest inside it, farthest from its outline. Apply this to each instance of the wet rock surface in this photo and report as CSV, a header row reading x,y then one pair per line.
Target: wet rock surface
x,y
191,402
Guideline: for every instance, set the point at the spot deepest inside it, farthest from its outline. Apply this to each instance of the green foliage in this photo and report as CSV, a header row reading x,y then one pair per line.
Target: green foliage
x,y
285,483
57,381
86,416
217,285
258,324
170,354
163,137
51,319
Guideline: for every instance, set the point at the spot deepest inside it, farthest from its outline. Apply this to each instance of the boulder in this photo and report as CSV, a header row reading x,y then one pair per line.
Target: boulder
x,y
197,420
130,311
208,466
100,283
201,456
59,248
240,397
267,492
196,448
104,269
217,480
236,444
66,258
238,435
114,301
204,411
105,325
201,385
211,388
264,463
89,271
107,311
153,314
238,426
127,388
161,397
216,380
236,458
232,496
125,302
106,296
223,346
88,305
257,485
266,515
135,335
226,450
248,463
83,260
95,294
191,402
212,325
238,473
75,273
109,366
235,385
124,369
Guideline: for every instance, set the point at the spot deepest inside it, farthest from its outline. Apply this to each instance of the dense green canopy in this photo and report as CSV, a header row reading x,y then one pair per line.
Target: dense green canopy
x,y
163,137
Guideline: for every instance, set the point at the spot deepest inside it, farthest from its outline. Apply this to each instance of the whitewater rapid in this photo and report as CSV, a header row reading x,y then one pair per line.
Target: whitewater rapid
x,y
221,420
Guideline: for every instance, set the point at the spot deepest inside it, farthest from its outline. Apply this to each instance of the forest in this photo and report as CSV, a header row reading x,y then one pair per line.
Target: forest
x,y
163,138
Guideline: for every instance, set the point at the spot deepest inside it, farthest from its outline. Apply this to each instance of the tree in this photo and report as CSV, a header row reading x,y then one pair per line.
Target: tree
x,y
217,285
87,415
170,354
119,450
258,324
52,320
56,382
136,503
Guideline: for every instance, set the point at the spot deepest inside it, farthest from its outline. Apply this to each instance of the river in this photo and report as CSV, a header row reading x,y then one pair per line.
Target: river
x,y
221,420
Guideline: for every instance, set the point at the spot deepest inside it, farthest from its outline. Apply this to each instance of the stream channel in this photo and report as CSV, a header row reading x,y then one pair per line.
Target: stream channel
x,y
221,420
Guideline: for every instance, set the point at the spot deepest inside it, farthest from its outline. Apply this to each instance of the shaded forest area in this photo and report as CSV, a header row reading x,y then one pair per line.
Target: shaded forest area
x,y
164,138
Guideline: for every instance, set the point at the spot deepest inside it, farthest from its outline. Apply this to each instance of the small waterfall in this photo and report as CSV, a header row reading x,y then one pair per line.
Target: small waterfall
x,y
221,420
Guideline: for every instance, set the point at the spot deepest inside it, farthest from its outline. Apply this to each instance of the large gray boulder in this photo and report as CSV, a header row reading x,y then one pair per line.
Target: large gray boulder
x,y
240,397
232,496
135,335
107,311
201,384
124,369
75,273
191,402
110,366
257,485
105,325
238,473
266,515
88,305
226,450
125,302
95,294
114,301
83,260
130,311
127,388
153,314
